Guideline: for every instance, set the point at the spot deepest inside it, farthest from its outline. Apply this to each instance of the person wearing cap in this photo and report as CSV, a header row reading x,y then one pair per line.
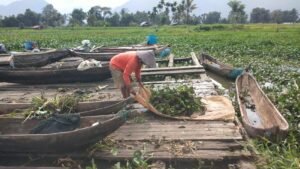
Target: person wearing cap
x,y
124,64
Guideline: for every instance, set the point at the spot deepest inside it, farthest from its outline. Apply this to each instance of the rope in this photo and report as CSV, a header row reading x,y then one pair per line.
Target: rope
x,y
123,114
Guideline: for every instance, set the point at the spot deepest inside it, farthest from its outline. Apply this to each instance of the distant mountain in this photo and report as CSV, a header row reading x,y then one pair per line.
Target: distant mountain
x,y
20,6
205,6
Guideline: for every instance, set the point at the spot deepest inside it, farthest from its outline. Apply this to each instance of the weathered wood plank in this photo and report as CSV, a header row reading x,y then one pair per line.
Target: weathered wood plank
x,y
164,145
173,68
164,155
175,135
184,129
167,72
176,122
151,126
152,154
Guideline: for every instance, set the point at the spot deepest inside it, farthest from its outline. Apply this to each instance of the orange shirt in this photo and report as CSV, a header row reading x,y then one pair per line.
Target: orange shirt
x,y
128,63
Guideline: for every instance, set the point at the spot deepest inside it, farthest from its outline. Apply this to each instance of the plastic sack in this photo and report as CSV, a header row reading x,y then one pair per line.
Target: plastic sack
x,y
151,40
57,123
87,64
164,53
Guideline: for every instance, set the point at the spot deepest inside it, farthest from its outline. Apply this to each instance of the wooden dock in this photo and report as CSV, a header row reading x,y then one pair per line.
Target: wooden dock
x,y
157,138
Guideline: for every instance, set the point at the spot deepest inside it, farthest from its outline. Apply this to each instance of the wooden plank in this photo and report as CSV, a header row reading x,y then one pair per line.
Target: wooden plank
x,y
125,154
181,59
173,68
164,145
176,136
185,129
178,131
195,59
199,71
176,122
164,155
173,126
176,59
171,60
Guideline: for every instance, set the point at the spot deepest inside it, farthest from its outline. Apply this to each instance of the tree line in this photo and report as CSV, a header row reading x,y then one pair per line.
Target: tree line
x,y
163,13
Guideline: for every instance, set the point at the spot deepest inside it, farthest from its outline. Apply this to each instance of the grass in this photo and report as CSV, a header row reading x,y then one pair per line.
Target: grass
x,y
272,50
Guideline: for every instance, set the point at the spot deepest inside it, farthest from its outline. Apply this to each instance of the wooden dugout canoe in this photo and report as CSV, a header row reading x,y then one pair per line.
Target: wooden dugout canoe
x,y
53,75
120,49
219,68
95,55
15,136
259,116
37,59
106,53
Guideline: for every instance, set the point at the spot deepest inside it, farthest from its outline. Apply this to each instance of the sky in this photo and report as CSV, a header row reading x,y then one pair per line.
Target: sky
x,y
68,5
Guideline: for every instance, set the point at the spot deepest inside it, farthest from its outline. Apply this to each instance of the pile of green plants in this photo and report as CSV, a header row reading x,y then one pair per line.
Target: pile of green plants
x,y
179,101
43,107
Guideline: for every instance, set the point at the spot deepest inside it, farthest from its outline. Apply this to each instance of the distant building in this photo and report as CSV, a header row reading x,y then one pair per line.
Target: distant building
x,y
38,27
143,24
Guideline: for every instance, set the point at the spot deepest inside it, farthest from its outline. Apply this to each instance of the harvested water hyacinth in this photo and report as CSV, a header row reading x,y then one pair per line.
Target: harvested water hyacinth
x,y
179,101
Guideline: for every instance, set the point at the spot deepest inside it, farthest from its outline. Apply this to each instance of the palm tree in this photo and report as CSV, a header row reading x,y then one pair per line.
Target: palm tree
x,y
237,13
189,6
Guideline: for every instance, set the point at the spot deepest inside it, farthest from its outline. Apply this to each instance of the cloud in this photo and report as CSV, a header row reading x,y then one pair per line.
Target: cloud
x,y
67,6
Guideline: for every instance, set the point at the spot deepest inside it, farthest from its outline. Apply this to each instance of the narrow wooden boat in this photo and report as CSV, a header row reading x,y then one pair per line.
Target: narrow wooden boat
x,y
120,49
106,53
83,108
217,67
16,137
260,117
95,55
54,75
37,59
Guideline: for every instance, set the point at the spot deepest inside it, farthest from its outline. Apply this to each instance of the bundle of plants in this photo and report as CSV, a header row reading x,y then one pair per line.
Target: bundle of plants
x,y
43,107
178,101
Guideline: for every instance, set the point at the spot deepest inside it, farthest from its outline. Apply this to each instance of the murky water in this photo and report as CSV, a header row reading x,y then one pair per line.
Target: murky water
x,y
253,118
226,83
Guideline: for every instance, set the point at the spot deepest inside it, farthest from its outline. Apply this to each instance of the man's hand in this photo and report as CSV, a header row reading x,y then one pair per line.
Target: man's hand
x,y
133,92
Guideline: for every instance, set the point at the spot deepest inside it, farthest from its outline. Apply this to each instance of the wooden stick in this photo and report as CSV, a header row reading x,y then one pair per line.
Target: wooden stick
x,y
195,59
171,60
92,50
